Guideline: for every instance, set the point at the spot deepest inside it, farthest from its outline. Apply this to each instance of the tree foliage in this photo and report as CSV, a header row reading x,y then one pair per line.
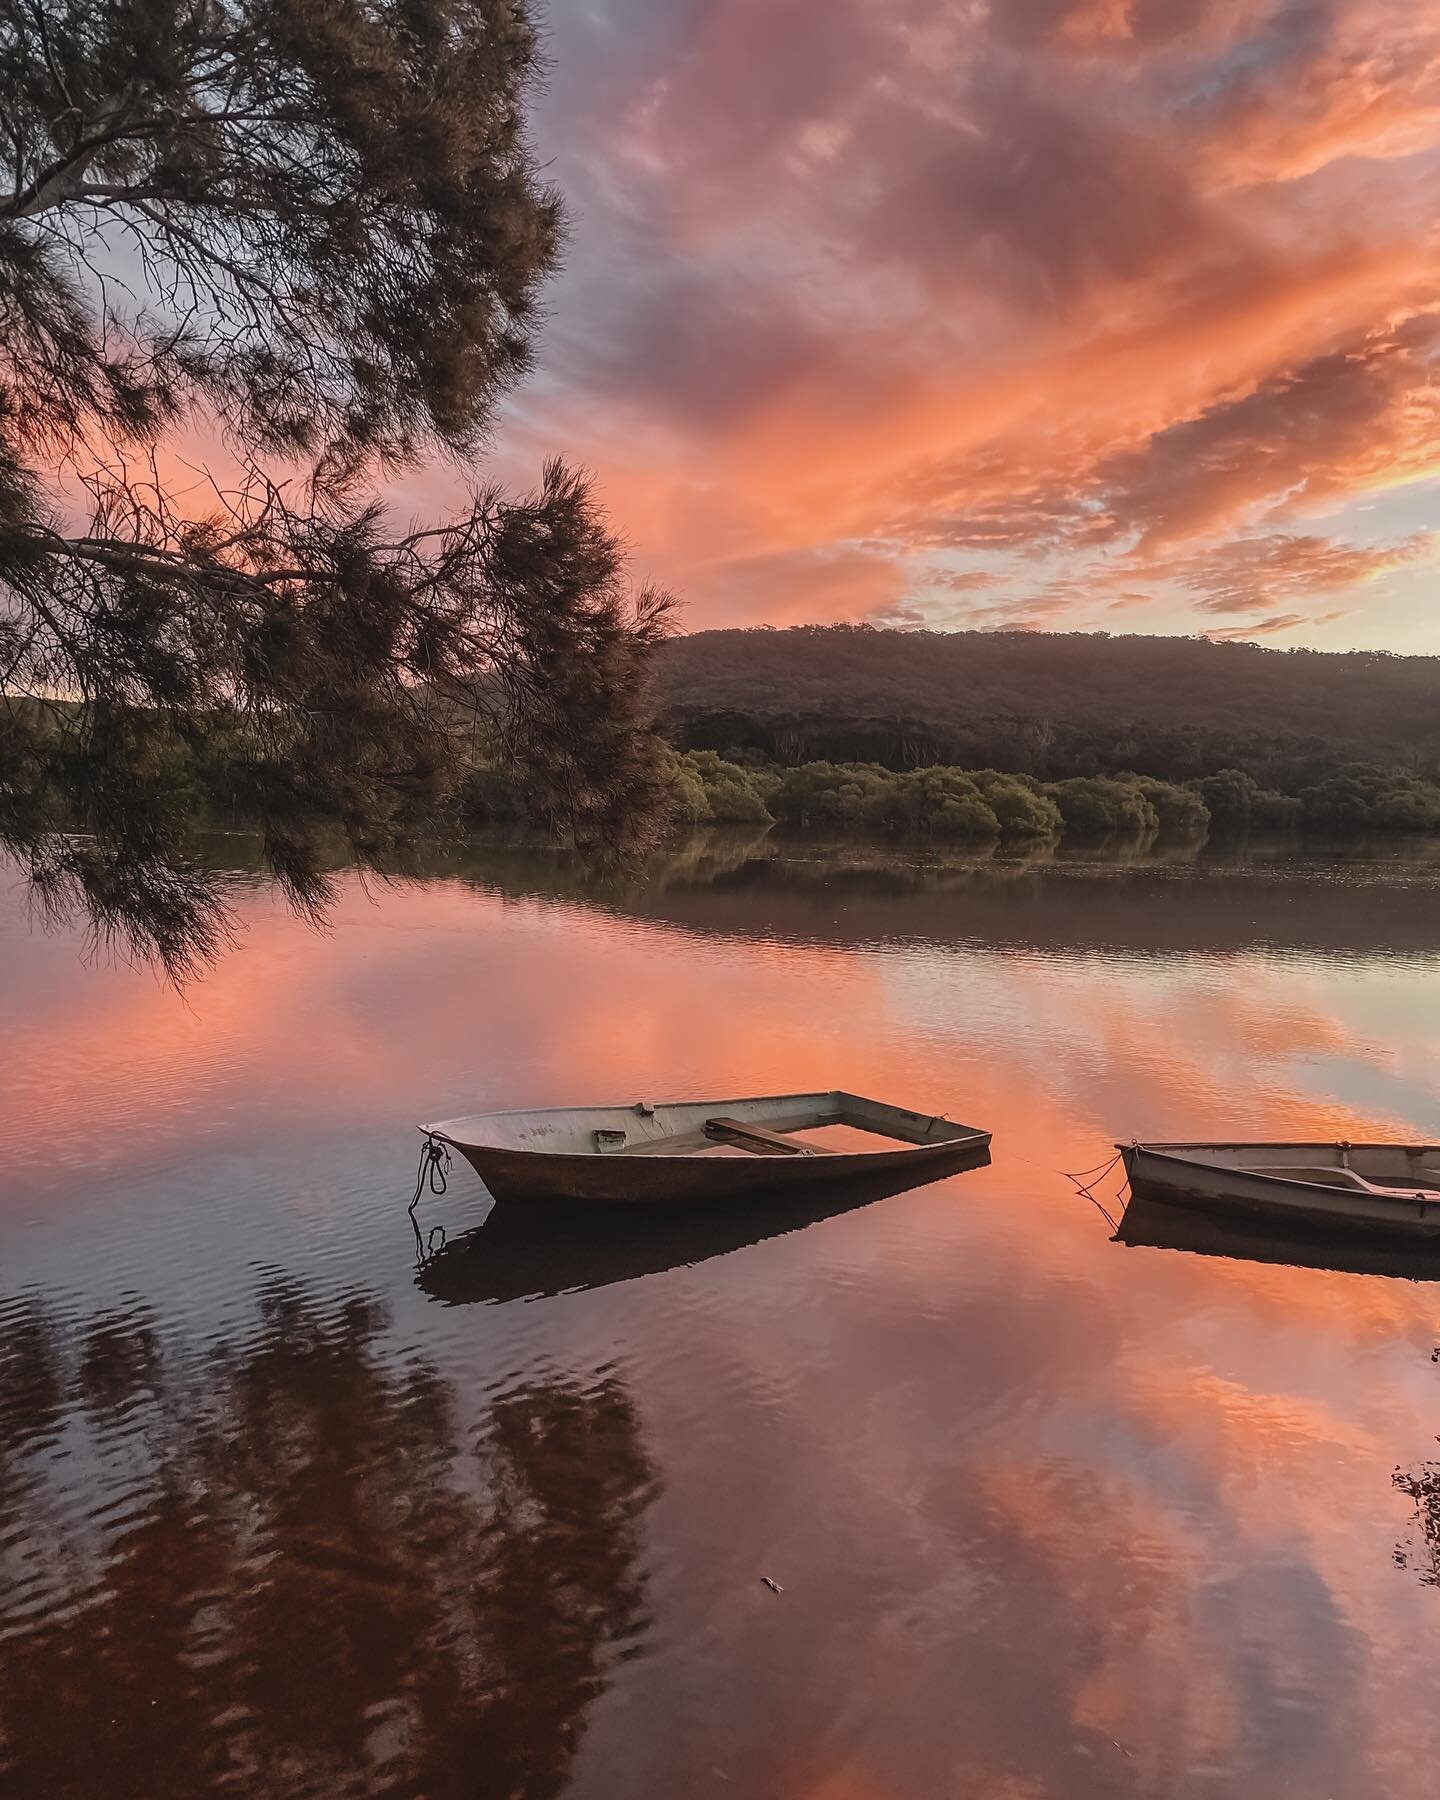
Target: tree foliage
x,y
1094,805
1181,811
1120,734
932,803
312,231
829,796
732,795
1051,705
1238,804
948,803
1362,797
1021,805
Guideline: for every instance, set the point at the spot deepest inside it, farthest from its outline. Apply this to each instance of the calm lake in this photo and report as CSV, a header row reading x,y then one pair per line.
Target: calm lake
x,y
1050,1515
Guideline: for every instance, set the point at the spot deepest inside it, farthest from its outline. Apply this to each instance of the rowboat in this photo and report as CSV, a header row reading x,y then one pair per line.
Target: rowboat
x,y
704,1149
1389,1190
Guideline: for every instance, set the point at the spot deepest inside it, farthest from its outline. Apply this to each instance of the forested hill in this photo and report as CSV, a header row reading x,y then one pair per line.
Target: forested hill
x,y
1047,704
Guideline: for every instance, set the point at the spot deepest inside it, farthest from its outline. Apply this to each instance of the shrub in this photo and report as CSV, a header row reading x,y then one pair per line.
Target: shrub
x,y
1273,811
1092,805
1021,806
1177,808
730,792
1238,803
936,802
827,794
1364,797
689,803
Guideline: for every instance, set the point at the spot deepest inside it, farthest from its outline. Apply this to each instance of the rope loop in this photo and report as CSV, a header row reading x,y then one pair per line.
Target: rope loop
x,y
434,1173
434,1168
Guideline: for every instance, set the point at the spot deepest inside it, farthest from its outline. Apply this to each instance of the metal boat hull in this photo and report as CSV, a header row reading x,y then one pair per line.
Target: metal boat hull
x,y
1233,1178
543,1155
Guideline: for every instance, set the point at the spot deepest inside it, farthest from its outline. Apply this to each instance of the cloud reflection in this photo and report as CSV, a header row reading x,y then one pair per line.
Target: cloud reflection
x,y
1052,1515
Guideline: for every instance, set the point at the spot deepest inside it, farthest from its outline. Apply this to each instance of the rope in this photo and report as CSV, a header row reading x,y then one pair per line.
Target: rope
x,y
1088,1179
434,1168
433,1172
1085,1181
1098,1173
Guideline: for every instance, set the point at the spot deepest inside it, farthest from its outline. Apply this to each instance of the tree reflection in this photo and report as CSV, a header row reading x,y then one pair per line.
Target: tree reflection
x,y
1422,1486
285,1575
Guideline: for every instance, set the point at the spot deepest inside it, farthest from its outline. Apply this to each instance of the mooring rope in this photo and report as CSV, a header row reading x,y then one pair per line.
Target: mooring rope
x,y
1087,1180
434,1172
434,1168
1084,1182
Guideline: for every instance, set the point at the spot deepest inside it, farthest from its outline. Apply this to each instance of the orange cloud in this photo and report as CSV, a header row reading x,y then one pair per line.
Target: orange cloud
x,y
791,587
1362,82
1035,281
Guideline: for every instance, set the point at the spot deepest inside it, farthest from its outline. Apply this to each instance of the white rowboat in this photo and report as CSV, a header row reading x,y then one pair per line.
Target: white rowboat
x,y
1380,1189
703,1149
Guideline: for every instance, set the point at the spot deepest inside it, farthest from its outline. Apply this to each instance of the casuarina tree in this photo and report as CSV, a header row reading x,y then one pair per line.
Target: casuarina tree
x,y
307,235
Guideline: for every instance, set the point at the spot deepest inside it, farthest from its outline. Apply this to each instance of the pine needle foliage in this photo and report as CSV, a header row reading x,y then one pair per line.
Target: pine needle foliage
x,y
314,232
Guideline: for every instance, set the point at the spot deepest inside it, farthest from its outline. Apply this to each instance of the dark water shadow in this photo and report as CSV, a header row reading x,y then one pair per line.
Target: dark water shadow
x,y
1088,899
287,1564
1158,1225
1164,897
527,1252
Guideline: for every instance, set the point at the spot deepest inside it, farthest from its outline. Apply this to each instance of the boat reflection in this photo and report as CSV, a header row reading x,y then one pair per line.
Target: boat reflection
x,y
1161,1226
525,1252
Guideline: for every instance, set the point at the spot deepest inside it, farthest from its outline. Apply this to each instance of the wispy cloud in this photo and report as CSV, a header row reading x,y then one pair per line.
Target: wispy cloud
x,y
1260,628
1251,573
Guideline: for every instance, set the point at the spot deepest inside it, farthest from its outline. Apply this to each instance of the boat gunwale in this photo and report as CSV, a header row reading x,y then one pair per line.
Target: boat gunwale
x,y
1370,1208
1159,1149
967,1137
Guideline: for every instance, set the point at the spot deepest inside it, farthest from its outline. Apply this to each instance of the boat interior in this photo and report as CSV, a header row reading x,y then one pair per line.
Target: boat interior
x,y
1379,1169
823,1124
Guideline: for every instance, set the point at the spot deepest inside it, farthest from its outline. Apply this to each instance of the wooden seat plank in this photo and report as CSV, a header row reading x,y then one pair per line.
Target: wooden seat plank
x,y
757,1138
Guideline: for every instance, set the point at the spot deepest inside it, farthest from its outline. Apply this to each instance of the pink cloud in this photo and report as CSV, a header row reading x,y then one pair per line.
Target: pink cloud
x,y
1146,278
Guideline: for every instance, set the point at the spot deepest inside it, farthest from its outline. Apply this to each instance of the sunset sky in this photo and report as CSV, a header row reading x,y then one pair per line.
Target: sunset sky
x,y
1071,314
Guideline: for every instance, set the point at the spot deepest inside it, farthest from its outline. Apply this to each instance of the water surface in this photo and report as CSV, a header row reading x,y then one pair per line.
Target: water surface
x,y
1051,1516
